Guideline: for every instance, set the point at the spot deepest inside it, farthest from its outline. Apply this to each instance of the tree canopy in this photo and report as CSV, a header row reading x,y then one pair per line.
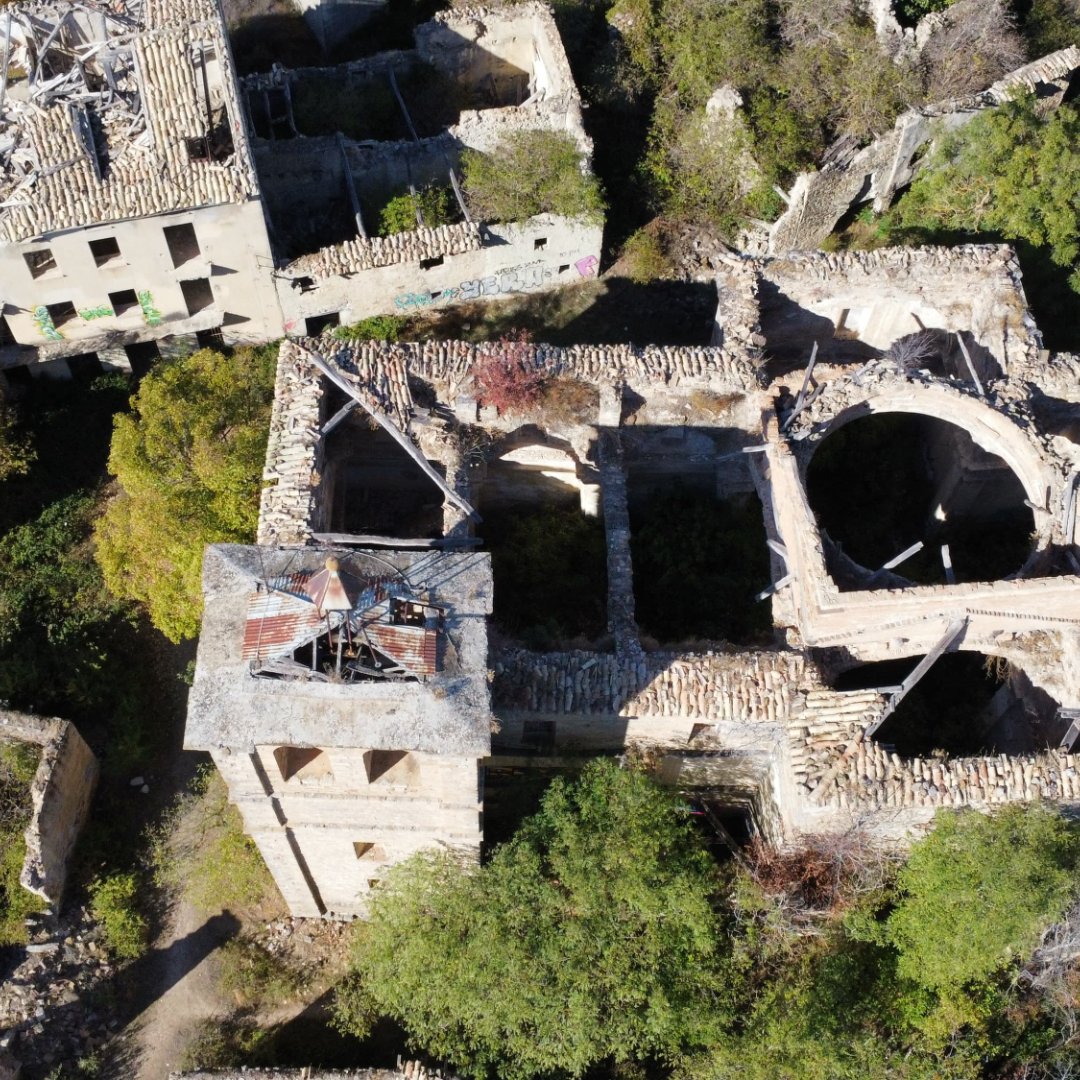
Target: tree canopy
x,y
189,458
588,937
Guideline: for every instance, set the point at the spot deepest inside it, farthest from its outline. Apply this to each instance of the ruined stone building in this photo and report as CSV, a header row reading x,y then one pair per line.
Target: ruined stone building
x,y
475,76
131,220
384,459
152,205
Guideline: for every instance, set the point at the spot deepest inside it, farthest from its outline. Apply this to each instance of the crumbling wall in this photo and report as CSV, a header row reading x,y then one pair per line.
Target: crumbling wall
x,y
60,793
850,175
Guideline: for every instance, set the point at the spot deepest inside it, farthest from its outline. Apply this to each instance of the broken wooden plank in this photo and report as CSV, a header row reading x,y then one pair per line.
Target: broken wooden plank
x,y
955,629
401,103
800,400
970,365
766,593
365,540
350,185
904,555
393,431
946,562
338,417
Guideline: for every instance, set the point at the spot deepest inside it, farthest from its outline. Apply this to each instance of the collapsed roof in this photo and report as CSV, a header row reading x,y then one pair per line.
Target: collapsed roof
x,y
114,110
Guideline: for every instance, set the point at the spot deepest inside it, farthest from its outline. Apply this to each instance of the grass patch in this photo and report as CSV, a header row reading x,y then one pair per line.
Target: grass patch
x,y
256,977
200,850
224,1044
18,763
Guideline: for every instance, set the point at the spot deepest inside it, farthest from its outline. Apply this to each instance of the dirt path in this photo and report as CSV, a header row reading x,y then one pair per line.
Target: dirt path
x,y
186,970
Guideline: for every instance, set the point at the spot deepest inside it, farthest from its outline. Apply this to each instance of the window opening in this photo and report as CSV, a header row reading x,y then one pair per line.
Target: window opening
x,y
183,243
198,295
540,243
124,301
428,264
302,763
105,250
40,262
62,313
369,851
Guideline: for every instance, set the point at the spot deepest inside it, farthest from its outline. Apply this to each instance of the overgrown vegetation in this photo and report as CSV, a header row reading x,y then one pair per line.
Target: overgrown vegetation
x,y
189,460
200,850
374,328
530,173
1012,173
430,207
114,901
698,564
832,961
16,452
223,1044
506,379
254,976
18,763
550,572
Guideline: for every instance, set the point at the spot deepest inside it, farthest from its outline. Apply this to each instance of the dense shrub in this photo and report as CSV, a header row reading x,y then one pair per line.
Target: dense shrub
x,y
114,901
434,205
529,173
18,763
506,379
375,328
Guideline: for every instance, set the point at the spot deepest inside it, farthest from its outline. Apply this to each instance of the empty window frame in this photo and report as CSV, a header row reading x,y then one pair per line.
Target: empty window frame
x,y
40,262
85,365
316,324
142,355
391,767
540,243
210,339
183,243
198,295
124,302
428,264
370,852
105,250
303,763
62,313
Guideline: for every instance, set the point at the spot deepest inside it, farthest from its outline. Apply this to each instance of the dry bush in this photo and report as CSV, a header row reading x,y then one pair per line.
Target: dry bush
x,y
915,351
823,876
506,379
709,404
567,400
976,44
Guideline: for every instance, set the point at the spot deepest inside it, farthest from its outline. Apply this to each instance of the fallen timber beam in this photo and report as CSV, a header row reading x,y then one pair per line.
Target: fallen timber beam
x,y
363,540
398,436
956,628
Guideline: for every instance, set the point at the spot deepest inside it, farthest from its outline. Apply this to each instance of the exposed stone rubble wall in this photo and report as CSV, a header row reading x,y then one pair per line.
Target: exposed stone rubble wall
x,y
836,765
744,687
818,200
290,494
1055,374
60,793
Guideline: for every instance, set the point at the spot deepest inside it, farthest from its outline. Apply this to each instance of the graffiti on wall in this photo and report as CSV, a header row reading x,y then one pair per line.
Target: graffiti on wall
x,y
44,321
105,311
151,315
524,278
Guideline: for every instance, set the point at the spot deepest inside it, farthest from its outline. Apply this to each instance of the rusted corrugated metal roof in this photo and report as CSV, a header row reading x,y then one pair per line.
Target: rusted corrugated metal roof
x,y
415,648
277,623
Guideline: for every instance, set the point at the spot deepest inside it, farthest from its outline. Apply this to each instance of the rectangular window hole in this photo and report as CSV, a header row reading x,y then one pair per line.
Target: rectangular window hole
x,y
540,243
124,301
105,250
84,365
539,734
62,313
40,262
427,264
369,852
564,268
316,324
198,295
142,355
210,339
6,336
183,243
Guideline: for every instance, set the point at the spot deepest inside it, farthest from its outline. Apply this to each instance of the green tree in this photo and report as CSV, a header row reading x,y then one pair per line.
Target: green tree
x,y
530,173
978,891
189,459
589,937
1011,171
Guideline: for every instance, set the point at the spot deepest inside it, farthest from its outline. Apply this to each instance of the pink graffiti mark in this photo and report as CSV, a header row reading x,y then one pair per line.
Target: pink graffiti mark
x,y
587,267
290,326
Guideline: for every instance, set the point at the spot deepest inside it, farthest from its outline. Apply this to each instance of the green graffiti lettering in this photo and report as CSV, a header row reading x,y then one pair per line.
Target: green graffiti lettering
x,y
103,312
151,315
45,324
